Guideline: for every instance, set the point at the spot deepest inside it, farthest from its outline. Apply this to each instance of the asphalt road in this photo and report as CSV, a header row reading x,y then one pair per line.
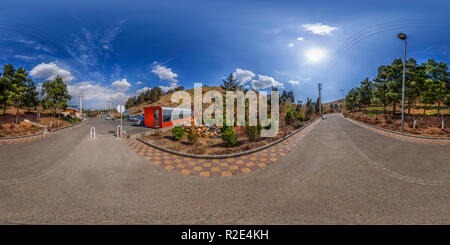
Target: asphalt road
x,y
339,174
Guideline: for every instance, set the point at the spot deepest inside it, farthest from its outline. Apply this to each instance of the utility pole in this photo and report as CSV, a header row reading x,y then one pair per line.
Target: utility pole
x,y
319,85
402,36
81,103
110,105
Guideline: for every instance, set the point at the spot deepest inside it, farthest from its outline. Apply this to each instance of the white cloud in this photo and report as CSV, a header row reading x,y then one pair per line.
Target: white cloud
x,y
294,82
50,71
165,73
138,83
142,90
264,82
291,45
243,76
121,85
319,28
96,95
167,88
300,38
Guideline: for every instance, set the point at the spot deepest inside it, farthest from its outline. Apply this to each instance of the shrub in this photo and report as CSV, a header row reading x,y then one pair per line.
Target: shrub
x,y
301,116
228,137
178,132
192,137
253,132
290,115
225,127
298,125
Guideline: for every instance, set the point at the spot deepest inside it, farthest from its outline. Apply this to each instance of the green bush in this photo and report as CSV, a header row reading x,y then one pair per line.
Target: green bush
x,y
178,132
224,127
253,132
290,116
228,137
298,125
301,116
70,119
192,137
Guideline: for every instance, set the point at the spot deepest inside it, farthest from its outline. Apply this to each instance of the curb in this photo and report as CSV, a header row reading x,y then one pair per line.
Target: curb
x,y
32,135
397,132
226,155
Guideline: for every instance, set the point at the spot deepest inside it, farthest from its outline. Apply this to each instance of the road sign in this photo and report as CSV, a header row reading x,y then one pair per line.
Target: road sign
x,y
120,109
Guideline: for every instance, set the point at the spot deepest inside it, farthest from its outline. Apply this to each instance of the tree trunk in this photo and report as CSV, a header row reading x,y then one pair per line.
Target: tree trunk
x,y
424,108
17,111
4,106
439,107
394,109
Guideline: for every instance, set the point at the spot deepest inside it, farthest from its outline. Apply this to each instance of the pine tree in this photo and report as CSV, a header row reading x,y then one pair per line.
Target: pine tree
x,y
230,84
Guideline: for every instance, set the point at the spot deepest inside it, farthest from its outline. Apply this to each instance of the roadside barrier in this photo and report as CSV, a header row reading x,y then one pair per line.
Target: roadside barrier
x,y
92,133
118,132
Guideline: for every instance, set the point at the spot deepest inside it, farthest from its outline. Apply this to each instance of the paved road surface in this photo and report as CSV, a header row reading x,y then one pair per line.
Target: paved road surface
x,y
339,174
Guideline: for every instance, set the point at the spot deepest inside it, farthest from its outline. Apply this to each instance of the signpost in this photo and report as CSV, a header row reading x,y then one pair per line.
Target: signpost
x,y
120,109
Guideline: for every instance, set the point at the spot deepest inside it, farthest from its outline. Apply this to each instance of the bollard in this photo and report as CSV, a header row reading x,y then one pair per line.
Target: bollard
x,y
124,134
119,129
414,125
442,127
92,133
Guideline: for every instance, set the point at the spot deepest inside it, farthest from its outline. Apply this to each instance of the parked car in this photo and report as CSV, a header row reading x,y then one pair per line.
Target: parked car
x,y
138,121
108,117
132,118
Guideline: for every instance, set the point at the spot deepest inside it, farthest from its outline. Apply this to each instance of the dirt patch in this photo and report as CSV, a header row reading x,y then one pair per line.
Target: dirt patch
x,y
212,145
9,128
425,125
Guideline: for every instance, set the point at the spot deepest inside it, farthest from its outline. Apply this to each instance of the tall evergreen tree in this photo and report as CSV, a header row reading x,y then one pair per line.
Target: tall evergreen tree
x,y
6,84
55,94
230,84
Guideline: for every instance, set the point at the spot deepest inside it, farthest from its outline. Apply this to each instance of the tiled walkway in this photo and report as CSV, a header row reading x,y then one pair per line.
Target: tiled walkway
x,y
220,167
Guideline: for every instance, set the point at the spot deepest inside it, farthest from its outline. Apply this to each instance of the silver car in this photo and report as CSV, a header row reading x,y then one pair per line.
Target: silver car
x,y
138,121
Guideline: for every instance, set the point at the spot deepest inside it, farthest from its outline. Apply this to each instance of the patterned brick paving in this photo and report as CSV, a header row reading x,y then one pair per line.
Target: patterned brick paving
x,y
21,140
220,167
403,137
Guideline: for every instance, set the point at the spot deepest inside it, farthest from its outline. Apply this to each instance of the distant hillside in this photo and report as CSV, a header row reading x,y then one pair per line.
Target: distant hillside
x,y
165,100
340,105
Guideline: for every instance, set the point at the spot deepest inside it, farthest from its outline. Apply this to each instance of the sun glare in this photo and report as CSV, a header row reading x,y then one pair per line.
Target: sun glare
x,y
315,55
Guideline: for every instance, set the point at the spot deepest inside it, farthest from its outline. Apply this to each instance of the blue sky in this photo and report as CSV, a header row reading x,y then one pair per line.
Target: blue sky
x,y
115,48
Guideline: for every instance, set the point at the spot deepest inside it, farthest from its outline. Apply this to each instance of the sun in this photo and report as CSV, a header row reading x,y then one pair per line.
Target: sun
x,y
315,55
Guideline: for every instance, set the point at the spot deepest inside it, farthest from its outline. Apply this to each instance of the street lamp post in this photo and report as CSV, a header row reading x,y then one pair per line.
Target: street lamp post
x,y
402,36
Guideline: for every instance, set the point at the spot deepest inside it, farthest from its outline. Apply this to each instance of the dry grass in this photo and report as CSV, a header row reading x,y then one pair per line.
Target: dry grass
x,y
425,125
9,128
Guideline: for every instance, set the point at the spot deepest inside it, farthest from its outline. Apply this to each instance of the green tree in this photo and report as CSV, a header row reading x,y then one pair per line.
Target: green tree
x,y
414,82
155,94
230,84
6,84
30,98
19,85
394,83
365,93
55,94
437,77
351,100
380,88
